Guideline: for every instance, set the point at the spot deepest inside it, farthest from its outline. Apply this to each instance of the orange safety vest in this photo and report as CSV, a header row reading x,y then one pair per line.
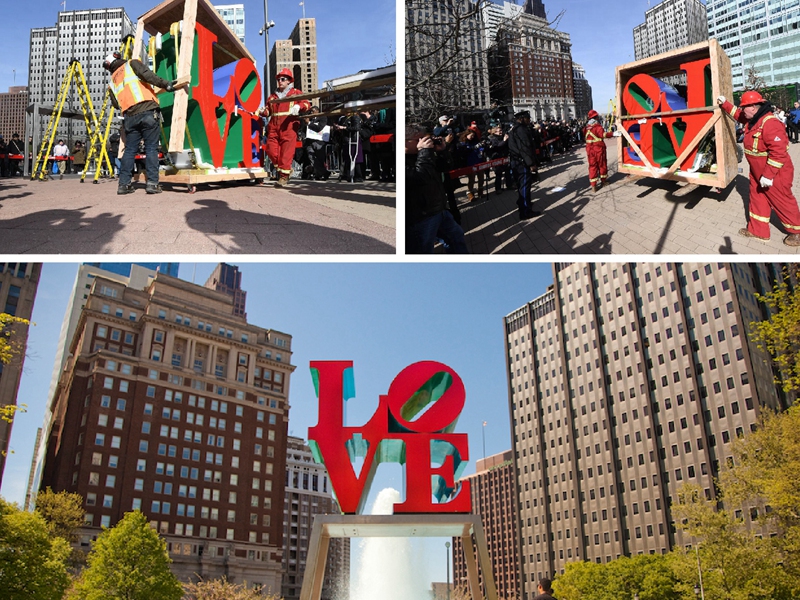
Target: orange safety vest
x,y
129,89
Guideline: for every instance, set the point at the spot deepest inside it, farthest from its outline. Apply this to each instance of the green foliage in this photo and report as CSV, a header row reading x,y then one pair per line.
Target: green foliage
x,y
649,575
32,563
222,589
129,562
8,347
63,512
780,335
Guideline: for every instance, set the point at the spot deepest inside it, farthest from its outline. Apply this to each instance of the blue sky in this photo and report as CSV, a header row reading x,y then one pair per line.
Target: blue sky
x,y
353,36
381,316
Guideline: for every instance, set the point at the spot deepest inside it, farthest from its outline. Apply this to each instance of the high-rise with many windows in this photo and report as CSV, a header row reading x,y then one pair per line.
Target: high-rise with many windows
x,y
625,381
669,25
308,493
170,404
764,36
233,15
18,285
299,55
84,35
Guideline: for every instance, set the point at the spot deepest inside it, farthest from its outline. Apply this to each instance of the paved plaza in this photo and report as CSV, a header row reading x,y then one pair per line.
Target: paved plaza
x,y
630,215
307,217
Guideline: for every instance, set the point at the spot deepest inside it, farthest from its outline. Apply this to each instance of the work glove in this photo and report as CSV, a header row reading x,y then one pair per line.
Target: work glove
x,y
617,133
295,110
764,182
721,100
171,85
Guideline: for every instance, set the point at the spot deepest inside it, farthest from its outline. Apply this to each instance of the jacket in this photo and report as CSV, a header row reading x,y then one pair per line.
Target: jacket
x,y
131,86
425,195
521,146
766,145
280,117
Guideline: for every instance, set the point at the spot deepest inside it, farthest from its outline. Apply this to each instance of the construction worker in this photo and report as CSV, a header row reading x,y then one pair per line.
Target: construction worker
x,y
283,125
766,147
133,95
594,134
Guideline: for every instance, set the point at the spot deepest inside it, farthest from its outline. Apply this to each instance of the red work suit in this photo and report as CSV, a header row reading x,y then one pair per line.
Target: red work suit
x,y
596,153
282,130
766,147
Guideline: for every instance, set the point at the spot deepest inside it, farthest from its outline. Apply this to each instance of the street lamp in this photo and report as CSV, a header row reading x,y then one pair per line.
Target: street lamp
x,y
447,548
265,32
699,575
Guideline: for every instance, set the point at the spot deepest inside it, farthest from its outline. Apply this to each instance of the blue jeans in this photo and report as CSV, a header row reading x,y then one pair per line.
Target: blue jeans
x,y
421,237
141,126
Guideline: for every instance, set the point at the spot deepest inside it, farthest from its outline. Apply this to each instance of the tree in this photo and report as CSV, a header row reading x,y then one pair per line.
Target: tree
x,y
129,562
753,79
10,350
780,335
32,563
62,511
222,589
648,575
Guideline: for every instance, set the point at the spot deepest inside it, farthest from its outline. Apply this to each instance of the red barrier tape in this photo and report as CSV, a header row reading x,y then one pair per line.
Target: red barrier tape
x,y
497,162
13,156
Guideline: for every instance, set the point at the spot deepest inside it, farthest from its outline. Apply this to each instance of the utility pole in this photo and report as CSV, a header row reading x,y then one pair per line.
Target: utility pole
x,y
265,32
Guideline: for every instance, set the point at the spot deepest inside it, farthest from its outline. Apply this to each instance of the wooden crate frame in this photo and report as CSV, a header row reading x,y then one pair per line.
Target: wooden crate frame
x,y
665,65
227,49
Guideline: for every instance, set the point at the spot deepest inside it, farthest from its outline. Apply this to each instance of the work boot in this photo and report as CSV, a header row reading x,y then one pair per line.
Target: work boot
x,y
125,189
153,188
745,232
282,181
793,239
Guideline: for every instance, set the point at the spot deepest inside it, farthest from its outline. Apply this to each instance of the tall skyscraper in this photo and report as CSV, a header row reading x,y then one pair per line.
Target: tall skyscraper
x,y
86,35
308,493
530,64
18,284
227,278
462,78
583,91
179,409
492,494
233,15
764,36
299,55
124,269
669,25
12,111
625,381
131,275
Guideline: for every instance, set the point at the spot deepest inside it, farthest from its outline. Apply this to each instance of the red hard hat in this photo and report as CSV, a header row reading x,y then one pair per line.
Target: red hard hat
x,y
751,97
285,73
592,114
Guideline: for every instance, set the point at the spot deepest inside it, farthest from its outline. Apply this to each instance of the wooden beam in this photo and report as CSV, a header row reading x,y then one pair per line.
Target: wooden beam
x,y
350,87
670,113
636,149
137,42
181,100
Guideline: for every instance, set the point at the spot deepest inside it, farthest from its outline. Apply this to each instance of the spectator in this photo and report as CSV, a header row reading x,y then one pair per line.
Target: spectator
x,y
470,151
544,589
523,163
3,158
316,142
15,147
426,217
79,157
498,148
793,121
61,150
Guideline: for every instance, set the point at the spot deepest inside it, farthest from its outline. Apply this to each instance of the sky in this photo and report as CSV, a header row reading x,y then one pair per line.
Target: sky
x,y
343,46
383,317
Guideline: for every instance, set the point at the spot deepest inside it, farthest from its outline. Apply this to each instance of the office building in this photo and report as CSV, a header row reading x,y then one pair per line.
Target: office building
x,y
172,405
308,493
233,15
137,276
12,112
626,381
530,65
86,35
299,55
18,284
583,91
669,25
764,36
492,494
227,278
461,83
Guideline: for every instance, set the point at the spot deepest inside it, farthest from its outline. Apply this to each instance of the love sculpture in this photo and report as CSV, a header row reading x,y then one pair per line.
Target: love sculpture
x,y
677,133
412,425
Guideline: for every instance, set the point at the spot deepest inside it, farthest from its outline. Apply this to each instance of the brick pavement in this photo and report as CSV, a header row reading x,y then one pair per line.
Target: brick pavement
x,y
69,217
631,215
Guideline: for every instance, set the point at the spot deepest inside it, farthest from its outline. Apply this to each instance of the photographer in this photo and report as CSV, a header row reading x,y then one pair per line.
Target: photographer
x,y
471,151
426,217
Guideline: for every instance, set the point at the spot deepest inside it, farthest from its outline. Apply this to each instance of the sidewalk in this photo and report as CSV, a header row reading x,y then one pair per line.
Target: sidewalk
x,y
306,217
630,215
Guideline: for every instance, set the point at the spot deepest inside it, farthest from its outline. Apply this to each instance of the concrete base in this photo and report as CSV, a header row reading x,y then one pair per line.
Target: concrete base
x,y
465,526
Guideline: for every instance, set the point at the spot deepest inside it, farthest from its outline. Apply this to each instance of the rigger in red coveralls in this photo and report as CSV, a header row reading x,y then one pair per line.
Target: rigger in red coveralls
x,y
766,147
594,134
283,125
